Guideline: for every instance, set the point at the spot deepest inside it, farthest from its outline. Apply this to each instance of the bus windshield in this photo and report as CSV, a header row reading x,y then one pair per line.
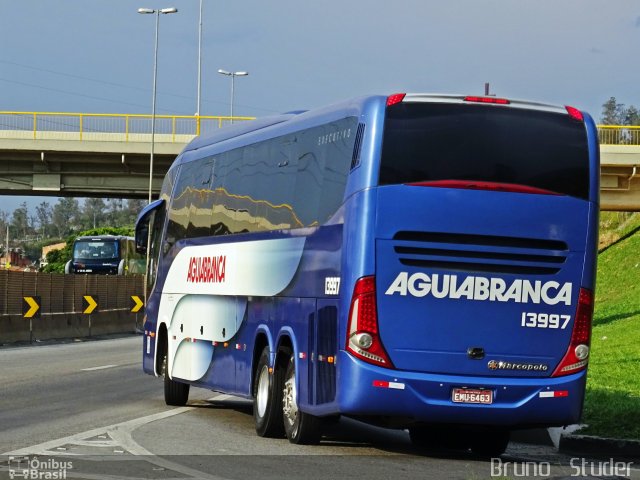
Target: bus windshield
x,y
434,143
95,250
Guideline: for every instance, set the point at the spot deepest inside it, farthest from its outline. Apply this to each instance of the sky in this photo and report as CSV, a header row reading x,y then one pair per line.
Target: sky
x,y
96,56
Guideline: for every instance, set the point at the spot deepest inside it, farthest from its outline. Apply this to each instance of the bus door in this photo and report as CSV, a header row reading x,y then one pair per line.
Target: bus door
x,y
148,239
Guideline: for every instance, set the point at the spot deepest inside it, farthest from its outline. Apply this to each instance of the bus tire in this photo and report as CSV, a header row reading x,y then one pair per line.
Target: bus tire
x,y
301,428
490,444
175,393
267,398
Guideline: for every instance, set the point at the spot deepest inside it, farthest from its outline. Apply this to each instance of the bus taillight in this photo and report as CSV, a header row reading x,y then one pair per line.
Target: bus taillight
x,y
395,98
494,100
363,338
577,355
575,113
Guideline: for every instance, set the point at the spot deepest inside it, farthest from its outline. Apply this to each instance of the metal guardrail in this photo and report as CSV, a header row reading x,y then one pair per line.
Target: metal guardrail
x,y
108,127
171,128
619,135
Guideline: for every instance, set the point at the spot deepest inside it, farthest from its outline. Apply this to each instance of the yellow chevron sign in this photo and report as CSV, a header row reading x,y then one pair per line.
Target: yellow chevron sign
x,y
31,307
90,303
137,304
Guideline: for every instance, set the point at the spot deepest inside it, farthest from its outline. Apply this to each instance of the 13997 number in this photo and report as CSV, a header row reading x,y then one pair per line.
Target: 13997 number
x,y
544,320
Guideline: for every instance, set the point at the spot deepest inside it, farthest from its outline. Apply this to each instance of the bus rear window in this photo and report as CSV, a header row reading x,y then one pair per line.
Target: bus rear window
x,y
426,142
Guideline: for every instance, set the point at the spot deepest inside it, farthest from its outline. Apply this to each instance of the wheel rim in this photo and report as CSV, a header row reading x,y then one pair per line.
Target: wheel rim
x,y
262,394
289,401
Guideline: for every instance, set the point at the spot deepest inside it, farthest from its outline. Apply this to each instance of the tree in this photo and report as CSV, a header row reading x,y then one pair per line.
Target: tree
x,y
631,116
122,214
612,112
44,215
65,215
114,211
20,220
4,221
93,213
133,209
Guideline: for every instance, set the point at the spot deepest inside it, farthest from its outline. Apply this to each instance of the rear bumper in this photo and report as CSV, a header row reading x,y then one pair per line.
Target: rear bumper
x,y
367,390
95,269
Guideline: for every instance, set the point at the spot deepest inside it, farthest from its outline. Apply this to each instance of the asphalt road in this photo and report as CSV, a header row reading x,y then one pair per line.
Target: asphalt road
x,y
89,407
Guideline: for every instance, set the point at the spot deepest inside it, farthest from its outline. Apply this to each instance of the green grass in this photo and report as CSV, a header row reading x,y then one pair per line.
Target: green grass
x,y
612,403
617,225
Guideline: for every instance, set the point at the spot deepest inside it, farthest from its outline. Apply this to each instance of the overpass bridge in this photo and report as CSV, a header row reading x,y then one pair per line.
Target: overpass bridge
x,y
105,155
92,155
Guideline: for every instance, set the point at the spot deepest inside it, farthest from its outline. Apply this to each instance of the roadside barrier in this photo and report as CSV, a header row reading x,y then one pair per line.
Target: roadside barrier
x,y
61,305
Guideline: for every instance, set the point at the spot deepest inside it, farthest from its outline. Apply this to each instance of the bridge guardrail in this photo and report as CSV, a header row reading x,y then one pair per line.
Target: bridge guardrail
x,y
619,135
170,128
108,127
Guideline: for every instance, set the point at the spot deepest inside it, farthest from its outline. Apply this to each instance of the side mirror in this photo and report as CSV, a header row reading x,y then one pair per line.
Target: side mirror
x,y
142,225
142,235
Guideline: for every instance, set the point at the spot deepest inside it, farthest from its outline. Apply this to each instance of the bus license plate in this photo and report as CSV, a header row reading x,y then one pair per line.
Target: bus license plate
x,y
467,395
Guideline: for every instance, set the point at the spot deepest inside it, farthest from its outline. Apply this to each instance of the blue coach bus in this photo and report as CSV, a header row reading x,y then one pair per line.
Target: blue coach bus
x,y
105,255
416,261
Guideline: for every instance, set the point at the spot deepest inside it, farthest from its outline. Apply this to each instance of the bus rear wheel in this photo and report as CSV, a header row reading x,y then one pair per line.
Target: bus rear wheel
x,y
301,428
175,393
267,397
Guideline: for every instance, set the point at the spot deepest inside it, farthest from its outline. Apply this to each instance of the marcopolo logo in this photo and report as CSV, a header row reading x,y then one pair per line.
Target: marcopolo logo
x,y
529,367
480,288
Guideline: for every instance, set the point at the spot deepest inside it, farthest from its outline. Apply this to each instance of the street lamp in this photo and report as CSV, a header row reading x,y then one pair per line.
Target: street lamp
x,y
233,75
157,12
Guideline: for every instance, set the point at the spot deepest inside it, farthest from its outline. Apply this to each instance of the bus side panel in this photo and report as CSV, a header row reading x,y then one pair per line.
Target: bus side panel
x,y
150,325
326,348
148,349
259,318
221,375
294,318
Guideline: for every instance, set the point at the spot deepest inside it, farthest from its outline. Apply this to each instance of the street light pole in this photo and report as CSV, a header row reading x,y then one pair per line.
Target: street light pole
x,y
199,62
233,75
157,12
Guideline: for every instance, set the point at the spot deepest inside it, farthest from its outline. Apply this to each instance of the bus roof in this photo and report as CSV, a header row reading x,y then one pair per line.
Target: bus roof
x,y
259,129
236,130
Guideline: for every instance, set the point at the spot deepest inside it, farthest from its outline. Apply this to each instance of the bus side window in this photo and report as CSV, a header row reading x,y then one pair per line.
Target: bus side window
x,y
179,211
325,155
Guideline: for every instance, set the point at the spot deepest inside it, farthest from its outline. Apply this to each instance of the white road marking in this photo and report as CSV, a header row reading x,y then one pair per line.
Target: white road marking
x,y
72,439
121,436
91,369
222,398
